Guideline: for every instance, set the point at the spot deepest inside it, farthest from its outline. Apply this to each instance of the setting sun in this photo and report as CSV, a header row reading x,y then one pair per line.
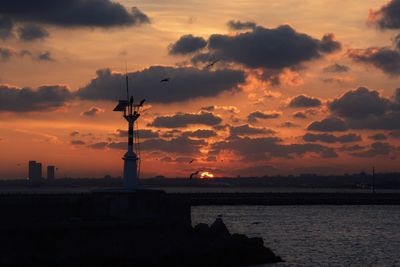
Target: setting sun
x,y
206,175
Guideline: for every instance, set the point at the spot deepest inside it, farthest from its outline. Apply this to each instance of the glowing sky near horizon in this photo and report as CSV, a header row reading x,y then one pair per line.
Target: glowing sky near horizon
x,y
282,98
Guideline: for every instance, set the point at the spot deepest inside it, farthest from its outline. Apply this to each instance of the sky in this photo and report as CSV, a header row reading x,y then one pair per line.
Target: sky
x,y
255,87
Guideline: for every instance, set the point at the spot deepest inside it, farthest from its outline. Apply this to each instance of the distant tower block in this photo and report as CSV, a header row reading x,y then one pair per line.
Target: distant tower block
x,y
38,171
31,169
34,170
131,158
50,173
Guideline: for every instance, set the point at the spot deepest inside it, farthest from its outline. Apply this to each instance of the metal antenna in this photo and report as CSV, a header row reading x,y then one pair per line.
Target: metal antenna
x,y
131,158
127,82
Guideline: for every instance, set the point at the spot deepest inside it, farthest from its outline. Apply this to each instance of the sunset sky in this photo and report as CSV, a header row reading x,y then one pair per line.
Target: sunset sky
x,y
297,86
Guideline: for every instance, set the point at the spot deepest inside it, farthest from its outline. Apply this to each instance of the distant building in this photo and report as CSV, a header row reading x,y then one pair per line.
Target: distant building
x,y
39,170
34,170
31,169
50,173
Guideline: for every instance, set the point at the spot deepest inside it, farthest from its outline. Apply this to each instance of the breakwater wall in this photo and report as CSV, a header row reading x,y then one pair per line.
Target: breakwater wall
x,y
203,199
142,207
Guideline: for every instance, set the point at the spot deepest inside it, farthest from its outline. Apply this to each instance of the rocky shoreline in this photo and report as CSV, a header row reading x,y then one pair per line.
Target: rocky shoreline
x,y
121,244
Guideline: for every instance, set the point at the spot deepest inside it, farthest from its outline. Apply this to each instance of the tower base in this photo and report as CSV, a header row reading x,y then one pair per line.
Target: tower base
x,y
130,179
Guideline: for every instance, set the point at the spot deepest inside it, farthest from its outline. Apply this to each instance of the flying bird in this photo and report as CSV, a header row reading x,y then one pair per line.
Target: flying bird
x,y
194,173
191,161
165,80
212,63
142,102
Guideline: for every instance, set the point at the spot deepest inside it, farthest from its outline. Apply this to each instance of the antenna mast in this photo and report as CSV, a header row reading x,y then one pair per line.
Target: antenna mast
x,y
127,82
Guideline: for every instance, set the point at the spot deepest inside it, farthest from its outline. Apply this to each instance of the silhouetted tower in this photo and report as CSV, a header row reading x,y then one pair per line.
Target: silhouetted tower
x,y
38,170
34,170
50,173
31,169
131,157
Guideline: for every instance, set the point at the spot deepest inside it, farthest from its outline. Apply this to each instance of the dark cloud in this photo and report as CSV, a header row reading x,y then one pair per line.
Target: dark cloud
x,y
117,145
378,137
269,147
388,16
254,117
45,56
24,53
185,84
44,98
187,44
73,13
239,25
183,145
74,133
6,53
267,48
176,160
93,111
387,121
395,134
359,103
147,134
32,32
6,28
328,43
339,80
171,133
366,109
183,159
201,133
303,101
383,58
143,133
376,149
305,113
397,42
300,115
184,119
329,138
77,142
273,77
288,124
246,129
99,145
397,95
337,68
352,148
331,124
229,109
211,159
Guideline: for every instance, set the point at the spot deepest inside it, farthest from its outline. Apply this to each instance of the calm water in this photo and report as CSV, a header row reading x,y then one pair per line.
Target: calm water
x,y
317,235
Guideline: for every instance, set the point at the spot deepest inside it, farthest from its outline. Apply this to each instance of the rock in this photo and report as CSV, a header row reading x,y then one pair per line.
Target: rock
x,y
202,229
218,228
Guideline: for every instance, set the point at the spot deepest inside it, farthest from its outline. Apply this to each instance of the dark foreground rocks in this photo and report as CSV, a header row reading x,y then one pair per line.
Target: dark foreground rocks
x,y
114,228
121,244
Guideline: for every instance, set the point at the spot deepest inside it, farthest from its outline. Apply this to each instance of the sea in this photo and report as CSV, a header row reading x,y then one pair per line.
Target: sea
x,y
316,235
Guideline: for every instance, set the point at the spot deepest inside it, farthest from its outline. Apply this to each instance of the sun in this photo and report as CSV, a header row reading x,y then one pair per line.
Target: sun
x,y
206,175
